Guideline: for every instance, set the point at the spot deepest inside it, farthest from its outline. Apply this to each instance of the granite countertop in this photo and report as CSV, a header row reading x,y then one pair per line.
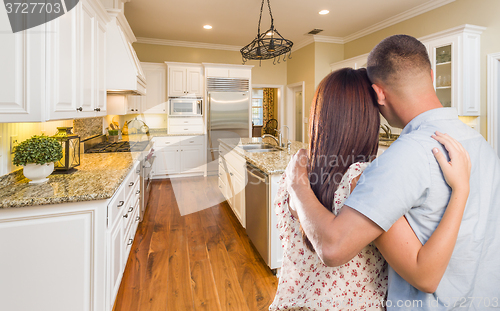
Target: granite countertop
x,y
98,177
268,162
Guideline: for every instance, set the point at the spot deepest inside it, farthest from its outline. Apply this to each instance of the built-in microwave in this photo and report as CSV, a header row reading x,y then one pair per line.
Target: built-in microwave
x,y
182,106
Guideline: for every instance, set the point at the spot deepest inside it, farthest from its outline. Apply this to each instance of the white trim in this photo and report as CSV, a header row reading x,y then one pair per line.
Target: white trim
x,y
302,44
472,29
281,98
493,98
328,39
187,44
290,99
423,8
227,65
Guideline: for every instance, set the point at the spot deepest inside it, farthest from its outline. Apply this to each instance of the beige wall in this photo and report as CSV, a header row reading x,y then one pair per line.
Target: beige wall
x,y
266,73
476,12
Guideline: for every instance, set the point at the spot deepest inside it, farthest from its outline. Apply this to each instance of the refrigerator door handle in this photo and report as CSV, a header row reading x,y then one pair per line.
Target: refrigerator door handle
x,y
209,125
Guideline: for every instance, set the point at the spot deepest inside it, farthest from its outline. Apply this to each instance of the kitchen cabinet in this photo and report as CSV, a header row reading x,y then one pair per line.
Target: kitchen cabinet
x,y
155,99
179,156
232,174
355,63
185,125
184,79
455,60
54,71
119,104
227,71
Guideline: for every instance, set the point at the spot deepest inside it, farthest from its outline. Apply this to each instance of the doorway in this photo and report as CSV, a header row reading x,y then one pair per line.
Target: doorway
x,y
494,100
296,117
267,103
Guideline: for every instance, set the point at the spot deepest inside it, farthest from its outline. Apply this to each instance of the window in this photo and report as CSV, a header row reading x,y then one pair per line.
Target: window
x,y
257,108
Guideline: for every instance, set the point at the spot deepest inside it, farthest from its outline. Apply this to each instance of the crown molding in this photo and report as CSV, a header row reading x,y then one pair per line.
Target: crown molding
x,y
328,39
423,8
470,29
302,44
187,44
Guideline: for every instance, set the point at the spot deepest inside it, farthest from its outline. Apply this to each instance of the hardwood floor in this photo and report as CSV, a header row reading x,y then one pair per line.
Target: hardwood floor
x,y
200,261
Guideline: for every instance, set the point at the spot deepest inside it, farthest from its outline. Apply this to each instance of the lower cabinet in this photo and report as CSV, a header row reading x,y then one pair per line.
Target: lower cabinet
x,y
179,156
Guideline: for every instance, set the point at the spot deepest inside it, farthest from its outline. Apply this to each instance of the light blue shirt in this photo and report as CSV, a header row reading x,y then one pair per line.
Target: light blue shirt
x,y
406,180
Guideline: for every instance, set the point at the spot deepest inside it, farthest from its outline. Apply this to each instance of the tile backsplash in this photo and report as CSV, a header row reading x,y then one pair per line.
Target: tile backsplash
x,y
87,127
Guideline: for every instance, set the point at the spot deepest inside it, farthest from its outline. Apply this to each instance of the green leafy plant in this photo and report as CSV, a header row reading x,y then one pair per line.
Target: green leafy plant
x,y
37,149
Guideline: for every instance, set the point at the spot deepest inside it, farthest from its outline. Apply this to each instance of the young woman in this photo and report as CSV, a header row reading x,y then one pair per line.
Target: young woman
x,y
344,130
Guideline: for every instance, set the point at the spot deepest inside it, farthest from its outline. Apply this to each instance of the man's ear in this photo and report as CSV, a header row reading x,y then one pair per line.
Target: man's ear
x,y
380,94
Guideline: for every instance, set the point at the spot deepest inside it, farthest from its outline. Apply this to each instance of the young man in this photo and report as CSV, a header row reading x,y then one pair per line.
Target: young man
x,y
406,180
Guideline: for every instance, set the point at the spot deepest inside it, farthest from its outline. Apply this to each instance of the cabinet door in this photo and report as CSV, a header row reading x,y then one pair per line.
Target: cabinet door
x,y
22,74
167,161
445,65
176,81
192,159
115,249
194,81
101,70
239,198
88,32
62,59
155,95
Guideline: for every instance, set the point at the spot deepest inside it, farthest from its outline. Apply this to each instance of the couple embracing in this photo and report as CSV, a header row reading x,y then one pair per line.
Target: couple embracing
x,y
417,228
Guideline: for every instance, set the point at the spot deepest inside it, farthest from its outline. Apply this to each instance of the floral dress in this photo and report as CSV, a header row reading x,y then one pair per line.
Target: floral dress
x,y
307,284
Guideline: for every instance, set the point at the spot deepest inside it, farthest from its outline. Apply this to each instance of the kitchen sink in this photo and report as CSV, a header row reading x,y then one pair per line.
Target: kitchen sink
x,y
259,148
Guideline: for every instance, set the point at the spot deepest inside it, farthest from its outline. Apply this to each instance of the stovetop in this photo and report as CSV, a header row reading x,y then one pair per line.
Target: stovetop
x,y
119,146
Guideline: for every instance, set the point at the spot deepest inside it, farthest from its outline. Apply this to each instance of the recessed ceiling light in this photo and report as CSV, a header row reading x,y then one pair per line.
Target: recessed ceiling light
x,y
324,12
207,27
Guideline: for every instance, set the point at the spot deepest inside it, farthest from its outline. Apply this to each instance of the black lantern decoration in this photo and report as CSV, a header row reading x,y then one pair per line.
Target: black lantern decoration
x,y
71,150
267,45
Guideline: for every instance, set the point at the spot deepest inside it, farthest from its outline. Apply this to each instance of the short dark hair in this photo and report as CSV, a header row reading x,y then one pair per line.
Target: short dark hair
x,y
395,57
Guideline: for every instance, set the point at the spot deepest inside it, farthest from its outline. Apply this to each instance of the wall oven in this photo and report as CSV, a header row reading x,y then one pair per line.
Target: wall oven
x,y
185,106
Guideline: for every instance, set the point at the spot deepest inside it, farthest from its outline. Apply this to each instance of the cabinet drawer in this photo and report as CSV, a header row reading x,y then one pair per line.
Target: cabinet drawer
x,y
194,140
185,121
160,142
115,206
184,129
129,237
129,212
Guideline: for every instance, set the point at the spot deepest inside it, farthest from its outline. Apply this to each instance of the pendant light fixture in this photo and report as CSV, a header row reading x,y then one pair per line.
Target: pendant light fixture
x,y
268,44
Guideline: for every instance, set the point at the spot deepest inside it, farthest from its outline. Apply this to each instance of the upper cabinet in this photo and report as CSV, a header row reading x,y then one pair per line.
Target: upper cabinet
x,y
455,60
184,79
228,71
355,63
54,71
155,99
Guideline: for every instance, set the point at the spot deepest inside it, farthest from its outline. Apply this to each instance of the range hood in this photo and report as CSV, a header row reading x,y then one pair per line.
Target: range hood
x,y
124,74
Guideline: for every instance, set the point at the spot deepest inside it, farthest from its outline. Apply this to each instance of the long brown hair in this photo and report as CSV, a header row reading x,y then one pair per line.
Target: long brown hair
x,y
343,129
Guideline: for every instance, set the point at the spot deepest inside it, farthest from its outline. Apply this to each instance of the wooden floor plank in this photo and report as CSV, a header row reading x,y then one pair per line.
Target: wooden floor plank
x,y
200,261
228,288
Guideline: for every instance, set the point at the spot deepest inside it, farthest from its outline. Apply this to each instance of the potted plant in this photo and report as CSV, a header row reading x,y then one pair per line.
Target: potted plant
x,y
37,156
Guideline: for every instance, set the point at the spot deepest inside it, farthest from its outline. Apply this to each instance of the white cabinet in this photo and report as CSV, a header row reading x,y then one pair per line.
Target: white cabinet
x,y
354,63
185,125
227,71
455,60
124,104
114,266
54,71
232,180
184,79
178,156
155,99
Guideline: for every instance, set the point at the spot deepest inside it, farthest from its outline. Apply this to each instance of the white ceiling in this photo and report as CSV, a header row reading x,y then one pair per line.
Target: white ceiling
x,y
235,21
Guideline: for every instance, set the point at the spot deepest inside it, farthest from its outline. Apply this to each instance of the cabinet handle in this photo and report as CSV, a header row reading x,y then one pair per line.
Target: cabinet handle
x,y
185,121
130,209
97,109
131,184
138,191
220,187
130,241
125,216
138,171
186,129
79,109
137,218
191,141
230,173
120,204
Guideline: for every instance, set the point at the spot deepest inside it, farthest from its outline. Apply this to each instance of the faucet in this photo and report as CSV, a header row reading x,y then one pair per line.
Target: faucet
x,y
387,130
279,140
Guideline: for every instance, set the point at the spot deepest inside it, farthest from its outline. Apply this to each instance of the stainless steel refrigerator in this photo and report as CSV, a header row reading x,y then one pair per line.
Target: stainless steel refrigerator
x,y
228,115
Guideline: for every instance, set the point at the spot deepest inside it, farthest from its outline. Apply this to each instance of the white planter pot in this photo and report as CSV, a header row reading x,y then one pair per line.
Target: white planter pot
x,y
38,172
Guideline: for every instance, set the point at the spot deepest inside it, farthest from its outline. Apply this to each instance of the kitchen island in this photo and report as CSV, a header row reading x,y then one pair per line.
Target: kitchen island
x,y
252,202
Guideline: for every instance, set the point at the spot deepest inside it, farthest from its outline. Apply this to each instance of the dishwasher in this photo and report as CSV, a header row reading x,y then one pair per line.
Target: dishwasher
x,y
256,210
